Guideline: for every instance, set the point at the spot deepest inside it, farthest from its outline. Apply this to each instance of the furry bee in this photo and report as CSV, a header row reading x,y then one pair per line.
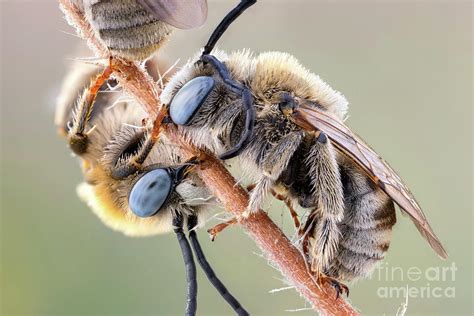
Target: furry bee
x,y
286,126
135,29
135,184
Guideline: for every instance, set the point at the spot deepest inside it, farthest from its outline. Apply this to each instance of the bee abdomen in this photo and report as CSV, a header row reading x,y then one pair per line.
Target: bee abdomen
x,y
366,229
359,251
127,29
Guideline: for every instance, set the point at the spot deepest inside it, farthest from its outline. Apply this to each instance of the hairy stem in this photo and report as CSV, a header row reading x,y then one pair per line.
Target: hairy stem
x,y
266,234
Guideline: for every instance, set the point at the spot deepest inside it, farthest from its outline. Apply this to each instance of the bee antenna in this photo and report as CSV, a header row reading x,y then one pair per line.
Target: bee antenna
x,y
191,305
225,23
211,275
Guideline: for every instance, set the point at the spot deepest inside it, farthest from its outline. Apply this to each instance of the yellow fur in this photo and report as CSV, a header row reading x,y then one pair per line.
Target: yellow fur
x,y
118,217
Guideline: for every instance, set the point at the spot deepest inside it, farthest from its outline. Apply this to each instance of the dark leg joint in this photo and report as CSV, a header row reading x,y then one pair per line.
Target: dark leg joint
x,y
340,288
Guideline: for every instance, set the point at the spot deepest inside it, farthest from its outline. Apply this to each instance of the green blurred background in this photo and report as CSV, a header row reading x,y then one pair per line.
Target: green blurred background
x,y
406,68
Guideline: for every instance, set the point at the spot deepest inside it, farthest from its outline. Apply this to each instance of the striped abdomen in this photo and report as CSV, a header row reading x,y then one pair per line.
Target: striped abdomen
x,y
127,29
366,228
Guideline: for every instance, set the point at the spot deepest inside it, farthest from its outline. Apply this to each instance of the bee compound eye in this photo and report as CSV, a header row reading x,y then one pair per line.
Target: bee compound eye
x,y
150,192
189,99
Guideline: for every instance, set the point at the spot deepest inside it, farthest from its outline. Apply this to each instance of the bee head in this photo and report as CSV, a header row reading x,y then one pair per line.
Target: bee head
x,y
151,190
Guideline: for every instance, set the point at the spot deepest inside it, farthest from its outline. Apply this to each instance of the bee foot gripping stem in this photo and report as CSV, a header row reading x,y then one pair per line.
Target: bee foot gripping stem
x,y
338,286
214,231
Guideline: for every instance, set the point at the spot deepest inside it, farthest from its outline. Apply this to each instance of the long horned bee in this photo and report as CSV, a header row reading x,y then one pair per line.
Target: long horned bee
x,y
136,184
286,126
135,29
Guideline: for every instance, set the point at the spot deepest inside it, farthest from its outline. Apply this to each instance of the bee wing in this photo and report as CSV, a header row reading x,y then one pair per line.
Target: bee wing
x,y
349,144
178,13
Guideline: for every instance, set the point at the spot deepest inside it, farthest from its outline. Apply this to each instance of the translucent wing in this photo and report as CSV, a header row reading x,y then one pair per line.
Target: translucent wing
x,y
349,144
182,14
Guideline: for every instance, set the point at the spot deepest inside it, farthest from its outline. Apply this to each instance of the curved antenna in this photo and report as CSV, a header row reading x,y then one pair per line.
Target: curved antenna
x,y
211,275
191,305
225,23
247,101
248,127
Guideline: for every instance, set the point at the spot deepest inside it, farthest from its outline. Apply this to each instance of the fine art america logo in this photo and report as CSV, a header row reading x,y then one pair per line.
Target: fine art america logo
x,y
426,283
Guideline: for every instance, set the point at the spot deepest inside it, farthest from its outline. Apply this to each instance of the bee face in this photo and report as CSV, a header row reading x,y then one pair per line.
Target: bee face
x,y
150,192
211,101
131,204
273,78
144,202
110,143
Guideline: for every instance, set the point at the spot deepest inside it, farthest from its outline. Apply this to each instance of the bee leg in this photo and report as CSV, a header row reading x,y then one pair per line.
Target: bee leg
x,y
340,288
124,169
211,275
190,266
160,119
306,231
77,136
214,231
250,187
288,204
258,194
225,23
327,189
274,163
188,167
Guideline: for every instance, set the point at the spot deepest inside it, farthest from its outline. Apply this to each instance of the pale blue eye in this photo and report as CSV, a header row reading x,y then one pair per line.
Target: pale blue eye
x,y
189,99
150,192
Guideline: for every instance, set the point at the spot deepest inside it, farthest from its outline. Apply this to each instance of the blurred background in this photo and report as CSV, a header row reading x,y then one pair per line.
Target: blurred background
x,y
406,68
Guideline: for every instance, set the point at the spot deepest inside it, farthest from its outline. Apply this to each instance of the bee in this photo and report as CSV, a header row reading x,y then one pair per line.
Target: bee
x,y
135,29
134,183
286,126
